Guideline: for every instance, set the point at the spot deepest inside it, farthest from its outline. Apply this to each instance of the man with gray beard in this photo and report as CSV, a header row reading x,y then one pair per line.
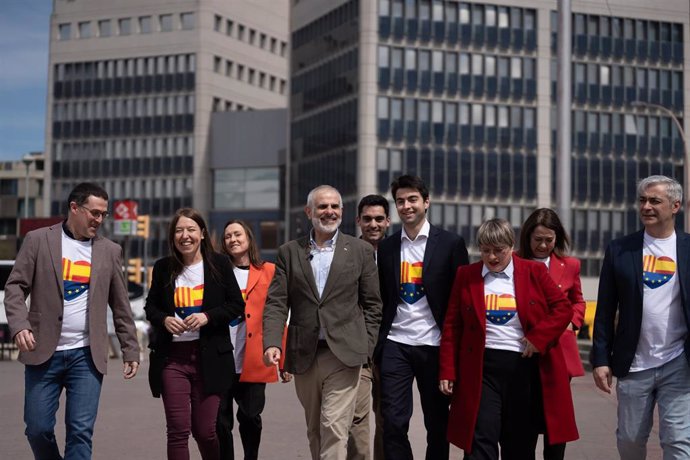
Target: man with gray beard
x,y
328,283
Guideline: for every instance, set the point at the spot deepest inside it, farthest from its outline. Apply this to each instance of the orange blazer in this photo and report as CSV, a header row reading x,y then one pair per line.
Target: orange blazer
x,y
544,313
565,271
253,369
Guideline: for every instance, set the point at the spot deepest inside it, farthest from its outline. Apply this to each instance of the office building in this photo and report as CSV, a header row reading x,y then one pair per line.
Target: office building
x,y
463,95
132,85
21,183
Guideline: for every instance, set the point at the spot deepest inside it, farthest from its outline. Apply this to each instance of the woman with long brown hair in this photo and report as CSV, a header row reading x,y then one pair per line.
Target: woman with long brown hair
x,y
253,276
192,299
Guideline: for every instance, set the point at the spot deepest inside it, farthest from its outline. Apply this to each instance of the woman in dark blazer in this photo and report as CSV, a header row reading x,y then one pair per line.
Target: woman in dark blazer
x,y
544,239
192,299
499,356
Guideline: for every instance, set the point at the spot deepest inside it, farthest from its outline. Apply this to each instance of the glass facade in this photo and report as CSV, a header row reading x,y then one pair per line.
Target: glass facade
x,y
457,106
457,103
127,124
323,108
622,69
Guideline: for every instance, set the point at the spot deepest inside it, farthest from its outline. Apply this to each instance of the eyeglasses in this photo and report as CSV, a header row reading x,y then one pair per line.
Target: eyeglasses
x,y
95,213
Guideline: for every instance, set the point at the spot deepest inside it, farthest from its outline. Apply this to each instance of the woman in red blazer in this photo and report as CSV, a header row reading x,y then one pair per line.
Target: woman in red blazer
x,y
251,375
544,239
500,358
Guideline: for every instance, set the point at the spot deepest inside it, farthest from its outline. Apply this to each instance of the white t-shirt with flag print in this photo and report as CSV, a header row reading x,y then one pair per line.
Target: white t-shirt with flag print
x,y
663,328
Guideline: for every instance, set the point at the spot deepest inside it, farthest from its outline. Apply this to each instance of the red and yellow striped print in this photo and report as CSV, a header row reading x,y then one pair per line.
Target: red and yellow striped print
x,y
78,271
189,296
504,302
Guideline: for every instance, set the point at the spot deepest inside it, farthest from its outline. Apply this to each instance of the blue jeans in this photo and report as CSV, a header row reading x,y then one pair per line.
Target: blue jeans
x,y
74,371
667,386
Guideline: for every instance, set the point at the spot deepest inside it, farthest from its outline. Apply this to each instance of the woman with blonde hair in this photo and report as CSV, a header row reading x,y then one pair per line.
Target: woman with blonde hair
x,y
499,358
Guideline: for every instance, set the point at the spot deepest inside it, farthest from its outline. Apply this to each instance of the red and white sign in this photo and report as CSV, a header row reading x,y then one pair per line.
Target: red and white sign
x,y
125,210
125,216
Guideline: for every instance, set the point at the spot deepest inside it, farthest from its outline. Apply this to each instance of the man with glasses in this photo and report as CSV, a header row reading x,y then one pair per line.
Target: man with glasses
x,y
72,274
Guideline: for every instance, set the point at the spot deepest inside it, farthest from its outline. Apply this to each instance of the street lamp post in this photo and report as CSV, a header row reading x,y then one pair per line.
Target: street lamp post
x,y
27,160
686,151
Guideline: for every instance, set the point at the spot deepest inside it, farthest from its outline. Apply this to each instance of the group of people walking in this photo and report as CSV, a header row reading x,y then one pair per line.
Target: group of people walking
x,y
355,322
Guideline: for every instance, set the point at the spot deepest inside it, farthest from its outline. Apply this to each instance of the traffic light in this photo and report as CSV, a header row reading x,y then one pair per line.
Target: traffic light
x,y
143,226
134,270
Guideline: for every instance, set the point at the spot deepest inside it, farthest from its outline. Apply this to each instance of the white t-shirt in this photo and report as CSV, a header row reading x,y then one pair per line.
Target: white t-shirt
x,y
76,279
238,326
503,328
663,328
189,297
414,323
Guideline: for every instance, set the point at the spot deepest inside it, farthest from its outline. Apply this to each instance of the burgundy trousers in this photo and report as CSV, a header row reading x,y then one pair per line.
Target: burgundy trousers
x,y
187,408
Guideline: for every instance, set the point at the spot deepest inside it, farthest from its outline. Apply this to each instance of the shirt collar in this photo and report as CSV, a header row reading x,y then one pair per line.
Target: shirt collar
x,y
423,232
69,233
506,273
329,244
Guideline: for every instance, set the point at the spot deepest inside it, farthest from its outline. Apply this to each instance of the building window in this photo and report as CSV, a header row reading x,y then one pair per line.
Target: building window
x,y
64,31
247,188
216,64
228,27
145,24
104,28
84,30
217,23
187,21
125,25
165,22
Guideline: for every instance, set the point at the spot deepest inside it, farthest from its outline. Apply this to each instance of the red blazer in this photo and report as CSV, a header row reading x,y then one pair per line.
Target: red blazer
x,y
565,271
253,369
544,313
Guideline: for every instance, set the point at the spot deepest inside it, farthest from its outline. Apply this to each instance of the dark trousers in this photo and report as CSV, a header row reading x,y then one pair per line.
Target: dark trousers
x,y
251,399
400,364
510,409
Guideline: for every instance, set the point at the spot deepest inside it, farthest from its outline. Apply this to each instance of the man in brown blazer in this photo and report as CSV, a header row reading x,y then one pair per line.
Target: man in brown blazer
x,y
72,274
328,283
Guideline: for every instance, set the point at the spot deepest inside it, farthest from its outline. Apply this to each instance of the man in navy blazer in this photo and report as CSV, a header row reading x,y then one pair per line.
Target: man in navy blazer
x,y
417,267
642,322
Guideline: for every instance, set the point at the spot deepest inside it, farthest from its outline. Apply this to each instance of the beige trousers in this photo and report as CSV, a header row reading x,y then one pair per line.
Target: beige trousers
x,y
327,392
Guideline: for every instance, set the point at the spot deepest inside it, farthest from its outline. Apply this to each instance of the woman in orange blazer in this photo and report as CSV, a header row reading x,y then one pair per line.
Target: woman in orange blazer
x,y
251,375
544,239
500,358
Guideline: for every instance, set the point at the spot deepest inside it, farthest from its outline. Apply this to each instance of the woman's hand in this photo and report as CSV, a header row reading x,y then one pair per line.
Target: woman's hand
x,y
446,387
196,321
174,325
529,348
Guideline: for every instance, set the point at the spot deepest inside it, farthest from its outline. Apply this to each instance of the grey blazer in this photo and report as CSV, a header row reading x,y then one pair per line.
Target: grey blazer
x,y
38,271
349,310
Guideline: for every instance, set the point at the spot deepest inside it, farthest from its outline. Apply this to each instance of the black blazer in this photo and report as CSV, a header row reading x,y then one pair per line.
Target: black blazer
x,y
222,302
621,292
444,253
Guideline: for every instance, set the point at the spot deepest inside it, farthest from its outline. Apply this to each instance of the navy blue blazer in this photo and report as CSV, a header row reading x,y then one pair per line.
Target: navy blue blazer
x,y
444,253
621,291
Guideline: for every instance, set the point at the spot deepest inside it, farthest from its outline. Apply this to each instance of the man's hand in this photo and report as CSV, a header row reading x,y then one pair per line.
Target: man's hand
x,y
25,341
446,387
285,376
529,348
272,356
129,369
603,378
196,321
174,325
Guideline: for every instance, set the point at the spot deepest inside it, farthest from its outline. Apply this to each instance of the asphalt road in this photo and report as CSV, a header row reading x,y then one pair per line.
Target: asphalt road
x,y
131,423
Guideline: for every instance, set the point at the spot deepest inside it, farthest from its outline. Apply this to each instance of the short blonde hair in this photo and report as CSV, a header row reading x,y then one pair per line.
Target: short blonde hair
x,y
496,233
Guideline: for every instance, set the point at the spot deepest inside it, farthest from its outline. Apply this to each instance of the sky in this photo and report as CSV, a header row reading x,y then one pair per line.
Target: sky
x,y
24,29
